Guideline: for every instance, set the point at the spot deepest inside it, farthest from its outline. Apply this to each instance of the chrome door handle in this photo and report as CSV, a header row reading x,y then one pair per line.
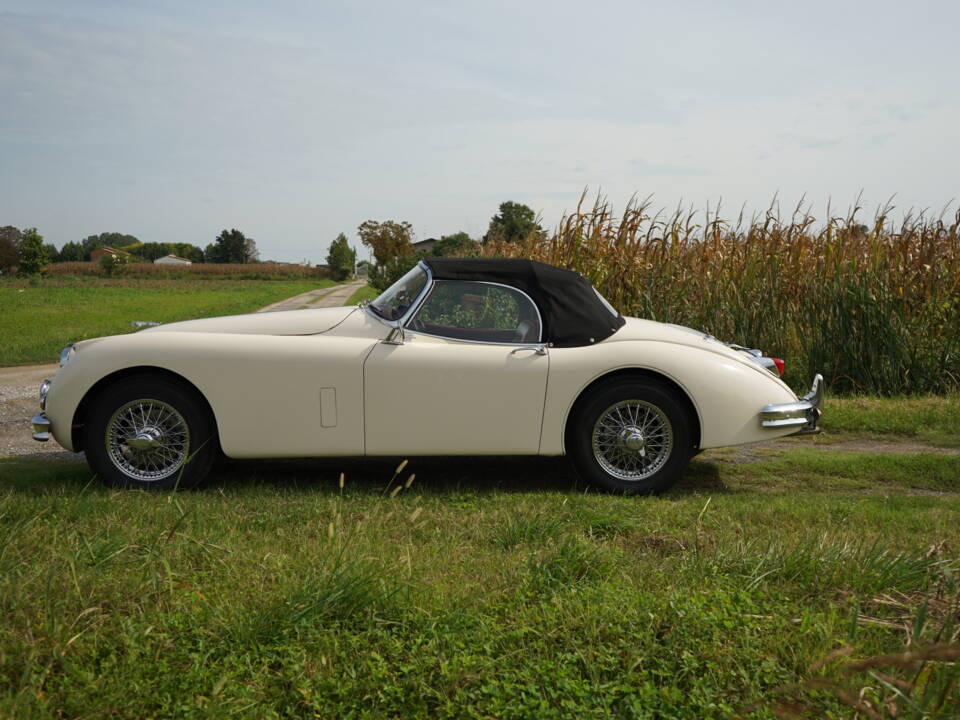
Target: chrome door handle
x,y
539,350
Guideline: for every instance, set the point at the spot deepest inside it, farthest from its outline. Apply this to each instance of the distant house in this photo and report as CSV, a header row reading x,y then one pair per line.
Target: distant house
x,y
107,250
172,260
425,246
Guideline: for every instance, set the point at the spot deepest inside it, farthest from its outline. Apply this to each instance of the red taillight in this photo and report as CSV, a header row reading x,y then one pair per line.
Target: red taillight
x,y
779,363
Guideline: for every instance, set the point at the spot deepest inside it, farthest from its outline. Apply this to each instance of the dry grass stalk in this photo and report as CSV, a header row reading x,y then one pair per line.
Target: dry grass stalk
x,y
790,285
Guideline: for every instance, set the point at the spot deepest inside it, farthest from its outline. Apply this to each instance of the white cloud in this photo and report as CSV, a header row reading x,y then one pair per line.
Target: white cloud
x,y
295,121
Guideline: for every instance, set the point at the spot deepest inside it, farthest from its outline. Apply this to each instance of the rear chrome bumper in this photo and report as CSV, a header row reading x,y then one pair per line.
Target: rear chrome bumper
x,y
802,415
41,427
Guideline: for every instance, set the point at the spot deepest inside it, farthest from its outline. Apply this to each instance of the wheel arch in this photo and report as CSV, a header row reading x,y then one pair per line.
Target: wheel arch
x,y
80,414
637,372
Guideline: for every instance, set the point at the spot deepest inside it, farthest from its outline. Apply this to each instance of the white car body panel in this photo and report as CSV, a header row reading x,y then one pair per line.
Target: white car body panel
x,y
264,390
264,376
436,396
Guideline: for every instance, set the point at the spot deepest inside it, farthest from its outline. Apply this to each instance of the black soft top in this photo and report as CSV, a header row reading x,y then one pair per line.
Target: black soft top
x,y
572,312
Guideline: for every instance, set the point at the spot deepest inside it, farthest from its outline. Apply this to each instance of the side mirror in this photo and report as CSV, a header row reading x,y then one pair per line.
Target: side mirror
x,y
396,336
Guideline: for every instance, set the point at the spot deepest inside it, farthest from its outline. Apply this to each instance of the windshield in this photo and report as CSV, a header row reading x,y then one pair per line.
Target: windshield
x,y
393,302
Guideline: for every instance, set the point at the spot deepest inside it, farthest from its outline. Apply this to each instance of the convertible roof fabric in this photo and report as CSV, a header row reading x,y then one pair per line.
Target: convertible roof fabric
x,y
573,315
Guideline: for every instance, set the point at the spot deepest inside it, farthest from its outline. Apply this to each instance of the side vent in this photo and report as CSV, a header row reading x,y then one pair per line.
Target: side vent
x,y
328,407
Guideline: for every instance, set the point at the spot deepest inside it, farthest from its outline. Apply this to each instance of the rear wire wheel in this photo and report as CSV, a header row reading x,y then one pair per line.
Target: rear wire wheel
x,y
632,436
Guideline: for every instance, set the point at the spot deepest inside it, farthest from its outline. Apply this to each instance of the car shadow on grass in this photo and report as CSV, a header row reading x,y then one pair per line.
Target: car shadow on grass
x,y
68,474
440,475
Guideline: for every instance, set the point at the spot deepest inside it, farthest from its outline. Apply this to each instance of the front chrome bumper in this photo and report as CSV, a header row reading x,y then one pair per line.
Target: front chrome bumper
x,y
41,427
802,415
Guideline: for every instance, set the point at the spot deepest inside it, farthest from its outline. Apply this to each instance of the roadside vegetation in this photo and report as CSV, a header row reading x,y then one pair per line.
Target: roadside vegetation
x,y
819,583
928,420
37,318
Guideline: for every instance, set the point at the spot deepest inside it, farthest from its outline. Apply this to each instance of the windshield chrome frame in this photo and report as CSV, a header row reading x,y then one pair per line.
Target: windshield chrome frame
x,y
538,342
398,323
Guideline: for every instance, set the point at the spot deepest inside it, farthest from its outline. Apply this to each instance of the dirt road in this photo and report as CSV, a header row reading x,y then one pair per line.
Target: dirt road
x,y
324,297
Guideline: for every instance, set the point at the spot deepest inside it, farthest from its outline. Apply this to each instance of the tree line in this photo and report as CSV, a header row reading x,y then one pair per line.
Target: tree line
x,y
26,251
391,244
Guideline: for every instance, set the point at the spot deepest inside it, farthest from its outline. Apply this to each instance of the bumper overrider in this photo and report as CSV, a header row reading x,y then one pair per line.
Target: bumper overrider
x,y
41,423
802,415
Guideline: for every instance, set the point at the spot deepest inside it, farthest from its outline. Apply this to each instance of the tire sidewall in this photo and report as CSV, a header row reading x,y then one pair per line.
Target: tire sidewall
x,y
202,445
586,414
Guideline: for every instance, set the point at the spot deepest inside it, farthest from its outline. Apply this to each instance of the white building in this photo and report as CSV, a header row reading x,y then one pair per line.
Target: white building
x,y
172,260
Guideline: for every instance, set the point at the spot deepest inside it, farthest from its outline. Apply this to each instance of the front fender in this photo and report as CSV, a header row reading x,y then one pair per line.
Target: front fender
x,y
265,391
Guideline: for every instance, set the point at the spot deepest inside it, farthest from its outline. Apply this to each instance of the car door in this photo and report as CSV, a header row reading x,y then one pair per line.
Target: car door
x,y
468,377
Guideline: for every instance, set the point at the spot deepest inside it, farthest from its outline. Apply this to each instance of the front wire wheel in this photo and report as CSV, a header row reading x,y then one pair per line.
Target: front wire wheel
x,y
150,432
147,440
631,435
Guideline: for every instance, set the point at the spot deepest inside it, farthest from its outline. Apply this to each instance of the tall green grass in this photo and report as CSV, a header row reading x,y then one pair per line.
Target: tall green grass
x,y
484,589
875,308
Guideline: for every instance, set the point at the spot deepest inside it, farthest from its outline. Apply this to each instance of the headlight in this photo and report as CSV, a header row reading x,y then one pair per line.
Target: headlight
x,y
67,354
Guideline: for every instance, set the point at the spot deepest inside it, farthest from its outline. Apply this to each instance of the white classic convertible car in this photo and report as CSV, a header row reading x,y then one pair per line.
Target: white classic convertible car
x,y
458,357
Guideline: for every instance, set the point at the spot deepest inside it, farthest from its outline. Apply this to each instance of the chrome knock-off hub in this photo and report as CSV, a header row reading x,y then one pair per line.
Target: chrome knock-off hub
x,y
147,440
631,440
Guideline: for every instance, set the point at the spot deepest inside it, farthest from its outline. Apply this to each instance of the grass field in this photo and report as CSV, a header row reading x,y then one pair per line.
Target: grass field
x,y
494,587
38,318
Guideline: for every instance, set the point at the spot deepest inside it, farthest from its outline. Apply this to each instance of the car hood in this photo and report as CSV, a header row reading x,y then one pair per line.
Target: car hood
x,y
283,322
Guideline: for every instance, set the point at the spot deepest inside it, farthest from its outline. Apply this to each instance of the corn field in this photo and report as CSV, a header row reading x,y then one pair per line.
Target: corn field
x,y
875,308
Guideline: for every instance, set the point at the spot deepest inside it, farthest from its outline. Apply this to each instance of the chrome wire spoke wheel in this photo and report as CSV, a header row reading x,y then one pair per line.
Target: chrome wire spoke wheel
x,y
147,440
632,440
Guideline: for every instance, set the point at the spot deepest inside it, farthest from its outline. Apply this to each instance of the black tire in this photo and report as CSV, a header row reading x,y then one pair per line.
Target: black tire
x,y
615,455
173,426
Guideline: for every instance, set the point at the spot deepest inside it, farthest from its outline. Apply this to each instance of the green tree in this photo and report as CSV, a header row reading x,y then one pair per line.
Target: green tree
x,y
459,244
33,254
113,239
232,246
71,252
513,223
188,251
250,252
341,258
387,240
113,263
10,238
383,275
150,251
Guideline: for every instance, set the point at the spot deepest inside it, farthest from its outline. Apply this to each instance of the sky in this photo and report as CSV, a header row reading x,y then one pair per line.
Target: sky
x,y
296,120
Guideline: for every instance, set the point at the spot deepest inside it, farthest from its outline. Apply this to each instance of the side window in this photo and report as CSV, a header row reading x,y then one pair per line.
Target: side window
x,y
477,311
